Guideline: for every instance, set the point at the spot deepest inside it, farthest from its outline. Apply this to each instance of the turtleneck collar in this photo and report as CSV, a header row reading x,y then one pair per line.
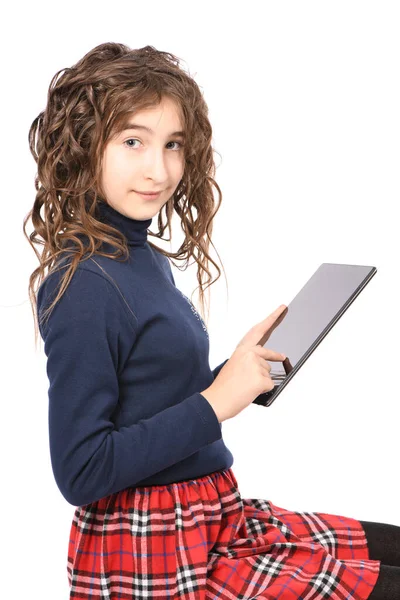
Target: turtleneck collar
x,y
134,230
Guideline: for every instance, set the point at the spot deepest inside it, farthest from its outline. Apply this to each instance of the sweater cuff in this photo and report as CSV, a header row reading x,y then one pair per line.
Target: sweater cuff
x,y
208,416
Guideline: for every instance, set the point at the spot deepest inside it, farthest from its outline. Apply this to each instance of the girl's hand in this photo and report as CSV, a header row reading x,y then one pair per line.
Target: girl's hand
x,y
246,374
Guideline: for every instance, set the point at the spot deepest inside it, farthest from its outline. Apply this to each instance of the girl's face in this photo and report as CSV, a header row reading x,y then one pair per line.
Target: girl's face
x,y
138,160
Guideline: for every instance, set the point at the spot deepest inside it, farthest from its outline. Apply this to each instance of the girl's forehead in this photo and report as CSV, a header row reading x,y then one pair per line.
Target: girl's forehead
x,y
151,122
167,110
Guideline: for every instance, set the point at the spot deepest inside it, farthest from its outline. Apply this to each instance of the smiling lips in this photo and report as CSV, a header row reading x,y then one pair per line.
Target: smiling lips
x,y
152,193
148,195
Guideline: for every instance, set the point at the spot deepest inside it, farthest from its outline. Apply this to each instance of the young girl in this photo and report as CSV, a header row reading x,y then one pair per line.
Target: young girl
x,y
135,411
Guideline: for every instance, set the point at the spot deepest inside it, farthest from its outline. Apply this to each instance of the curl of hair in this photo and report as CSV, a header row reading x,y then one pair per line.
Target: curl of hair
x,y
87,105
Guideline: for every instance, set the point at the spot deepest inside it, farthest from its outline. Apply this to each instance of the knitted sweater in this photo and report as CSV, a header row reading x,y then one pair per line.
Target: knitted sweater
x,y
127,357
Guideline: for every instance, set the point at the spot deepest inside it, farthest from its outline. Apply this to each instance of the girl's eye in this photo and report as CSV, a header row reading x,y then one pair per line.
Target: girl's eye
x,y
136,140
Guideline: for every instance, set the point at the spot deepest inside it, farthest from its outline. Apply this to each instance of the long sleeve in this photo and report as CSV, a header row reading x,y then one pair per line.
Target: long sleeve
x,y
89,335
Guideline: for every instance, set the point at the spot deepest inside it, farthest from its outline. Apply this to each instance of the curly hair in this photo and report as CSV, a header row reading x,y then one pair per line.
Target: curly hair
x,y
86,107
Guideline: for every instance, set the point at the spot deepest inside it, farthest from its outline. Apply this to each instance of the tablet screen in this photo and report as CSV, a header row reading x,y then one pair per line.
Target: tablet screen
x,y
310,316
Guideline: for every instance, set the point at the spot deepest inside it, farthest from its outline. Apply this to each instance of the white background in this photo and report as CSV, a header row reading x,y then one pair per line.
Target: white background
x,y
304,102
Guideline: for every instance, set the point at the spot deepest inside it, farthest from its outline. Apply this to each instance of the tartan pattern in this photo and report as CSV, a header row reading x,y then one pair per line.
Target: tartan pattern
x,y
199,540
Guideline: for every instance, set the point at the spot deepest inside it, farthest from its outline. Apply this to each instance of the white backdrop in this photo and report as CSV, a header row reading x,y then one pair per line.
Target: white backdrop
x,y
304,102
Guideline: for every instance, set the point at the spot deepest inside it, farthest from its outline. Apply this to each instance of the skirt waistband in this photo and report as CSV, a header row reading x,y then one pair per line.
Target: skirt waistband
x,y
221,481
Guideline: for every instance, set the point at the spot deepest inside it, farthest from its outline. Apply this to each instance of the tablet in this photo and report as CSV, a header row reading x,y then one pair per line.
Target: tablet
x,y
309,317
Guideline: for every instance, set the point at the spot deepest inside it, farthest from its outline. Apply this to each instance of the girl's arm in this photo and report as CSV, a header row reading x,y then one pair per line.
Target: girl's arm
x,y
88,336
217,369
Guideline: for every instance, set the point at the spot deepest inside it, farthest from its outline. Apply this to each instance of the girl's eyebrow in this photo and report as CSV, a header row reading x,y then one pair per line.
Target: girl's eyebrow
x,y
137,126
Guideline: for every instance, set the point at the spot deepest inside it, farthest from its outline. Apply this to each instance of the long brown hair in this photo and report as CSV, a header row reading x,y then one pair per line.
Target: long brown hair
x,y
86,106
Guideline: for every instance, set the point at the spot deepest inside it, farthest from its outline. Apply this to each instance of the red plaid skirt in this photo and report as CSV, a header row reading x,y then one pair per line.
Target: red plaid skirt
x,y
199,539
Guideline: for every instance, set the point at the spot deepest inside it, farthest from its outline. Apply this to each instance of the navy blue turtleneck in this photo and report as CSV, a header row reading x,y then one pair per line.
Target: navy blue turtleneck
x,y
134,230
127,357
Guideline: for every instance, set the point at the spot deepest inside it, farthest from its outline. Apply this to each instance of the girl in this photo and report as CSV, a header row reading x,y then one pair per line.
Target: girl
x,y
135,412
